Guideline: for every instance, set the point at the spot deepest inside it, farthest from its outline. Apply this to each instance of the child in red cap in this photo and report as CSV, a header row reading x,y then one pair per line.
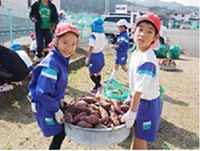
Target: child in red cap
x,y
49,81
145,110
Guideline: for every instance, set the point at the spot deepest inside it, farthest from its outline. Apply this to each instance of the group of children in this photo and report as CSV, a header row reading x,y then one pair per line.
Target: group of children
x,y
98,42
50,77
145,109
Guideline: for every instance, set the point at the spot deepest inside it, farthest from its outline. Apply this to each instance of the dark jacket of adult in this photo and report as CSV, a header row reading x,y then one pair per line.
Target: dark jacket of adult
x,y
11,64
35,16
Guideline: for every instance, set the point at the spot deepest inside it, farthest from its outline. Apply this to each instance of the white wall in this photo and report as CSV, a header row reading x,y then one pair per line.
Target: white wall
x,y
23,4
180,17
17,4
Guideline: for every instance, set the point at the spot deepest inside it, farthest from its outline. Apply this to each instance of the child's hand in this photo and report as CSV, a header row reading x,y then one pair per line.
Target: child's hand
x,y
129,118
59,117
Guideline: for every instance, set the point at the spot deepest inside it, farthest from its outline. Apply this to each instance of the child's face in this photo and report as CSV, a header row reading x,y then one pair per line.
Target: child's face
x,y
67,44
144,35
121,28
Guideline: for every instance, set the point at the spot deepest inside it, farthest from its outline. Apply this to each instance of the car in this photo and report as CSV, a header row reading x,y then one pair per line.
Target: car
x,y
186,25
110,28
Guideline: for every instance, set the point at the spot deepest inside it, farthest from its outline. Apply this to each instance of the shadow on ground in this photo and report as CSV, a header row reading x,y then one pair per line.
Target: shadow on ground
x,y
15,105
172,101
169,134
73,92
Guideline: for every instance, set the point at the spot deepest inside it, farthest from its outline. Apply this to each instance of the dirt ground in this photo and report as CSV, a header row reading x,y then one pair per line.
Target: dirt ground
x,y
179,128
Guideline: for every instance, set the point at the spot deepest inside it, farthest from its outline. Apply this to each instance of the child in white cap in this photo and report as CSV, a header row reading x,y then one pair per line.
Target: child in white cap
x,y
145,110
121,47
49,81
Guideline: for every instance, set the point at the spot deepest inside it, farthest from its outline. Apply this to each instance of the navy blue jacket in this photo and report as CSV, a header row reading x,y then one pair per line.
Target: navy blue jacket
x,y
35,16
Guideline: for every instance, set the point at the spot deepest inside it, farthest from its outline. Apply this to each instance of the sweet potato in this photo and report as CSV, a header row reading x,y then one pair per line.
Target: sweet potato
x,y
103,112
114,118
106,105
96,113
68,117
92,119
81,103
124,107
93,106
89,99
84,124
77,117
117,107
104,115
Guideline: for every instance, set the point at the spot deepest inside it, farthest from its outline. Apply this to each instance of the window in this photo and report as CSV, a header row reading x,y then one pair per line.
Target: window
x,y
29,3
116,18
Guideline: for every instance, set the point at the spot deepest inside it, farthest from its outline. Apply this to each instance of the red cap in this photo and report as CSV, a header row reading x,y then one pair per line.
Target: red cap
x,y
63,28
32,35
150,17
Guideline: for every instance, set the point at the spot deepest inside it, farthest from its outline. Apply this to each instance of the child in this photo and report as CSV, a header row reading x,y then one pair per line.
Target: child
x,y
62,17
95,57
23,55
49,81
33,45
145,109
121,47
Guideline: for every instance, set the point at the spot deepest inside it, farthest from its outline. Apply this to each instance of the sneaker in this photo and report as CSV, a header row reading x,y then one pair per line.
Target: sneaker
x,y
36,59
5,87
17,83
94,90
100,89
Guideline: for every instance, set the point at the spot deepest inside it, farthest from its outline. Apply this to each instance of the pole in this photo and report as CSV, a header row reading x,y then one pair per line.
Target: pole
x,y
106,7
10,25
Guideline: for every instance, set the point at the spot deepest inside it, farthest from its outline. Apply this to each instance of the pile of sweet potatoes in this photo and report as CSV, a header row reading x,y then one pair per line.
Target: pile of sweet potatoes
x,y
90,112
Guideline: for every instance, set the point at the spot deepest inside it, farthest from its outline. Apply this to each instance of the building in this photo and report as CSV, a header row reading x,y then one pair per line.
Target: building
x,y
23,4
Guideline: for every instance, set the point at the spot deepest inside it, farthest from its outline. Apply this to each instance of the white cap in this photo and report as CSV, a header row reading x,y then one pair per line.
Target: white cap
x,y
62,12
123,22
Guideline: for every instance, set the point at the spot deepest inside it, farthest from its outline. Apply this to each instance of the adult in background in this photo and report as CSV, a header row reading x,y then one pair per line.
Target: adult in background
x,y
12,68
44,14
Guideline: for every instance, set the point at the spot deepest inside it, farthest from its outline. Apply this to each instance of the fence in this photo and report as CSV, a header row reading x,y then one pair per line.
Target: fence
x,y
16,23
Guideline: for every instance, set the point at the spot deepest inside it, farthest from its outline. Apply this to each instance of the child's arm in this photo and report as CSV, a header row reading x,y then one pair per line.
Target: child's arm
x,y
88,55
129,117
90,51
135,101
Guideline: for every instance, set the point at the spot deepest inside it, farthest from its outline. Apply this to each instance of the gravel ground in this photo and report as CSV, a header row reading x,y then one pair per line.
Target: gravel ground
x,y
179,128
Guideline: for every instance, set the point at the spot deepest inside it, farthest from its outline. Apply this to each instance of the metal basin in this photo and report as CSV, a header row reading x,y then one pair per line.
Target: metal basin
x,y
97,136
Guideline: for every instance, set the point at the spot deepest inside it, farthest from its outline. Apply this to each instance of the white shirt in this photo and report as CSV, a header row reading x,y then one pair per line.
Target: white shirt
x,y
143,74
98,41
33,46
23,55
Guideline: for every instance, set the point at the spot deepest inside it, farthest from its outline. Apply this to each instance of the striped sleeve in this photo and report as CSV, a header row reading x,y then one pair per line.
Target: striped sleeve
x,y
148,69
49,73
144,75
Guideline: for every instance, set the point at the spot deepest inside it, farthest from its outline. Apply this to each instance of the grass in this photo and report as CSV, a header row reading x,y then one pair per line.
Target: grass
x,y
16,115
